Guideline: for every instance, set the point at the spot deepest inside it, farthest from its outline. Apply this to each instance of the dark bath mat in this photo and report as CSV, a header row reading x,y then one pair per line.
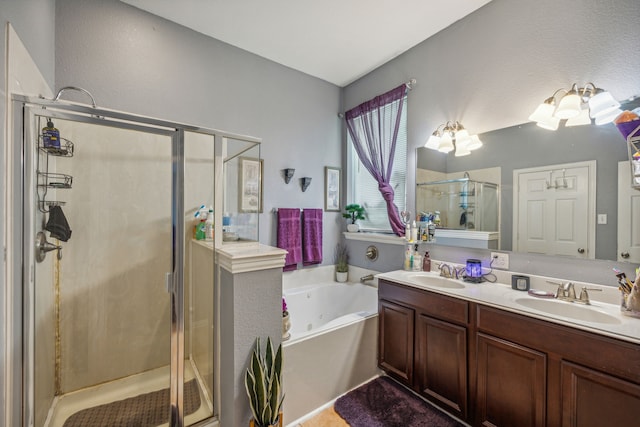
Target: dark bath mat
x,y
149,409
384,403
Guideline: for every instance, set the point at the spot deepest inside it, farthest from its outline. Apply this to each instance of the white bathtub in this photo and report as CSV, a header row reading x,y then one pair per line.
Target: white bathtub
x,y
333,344
314,309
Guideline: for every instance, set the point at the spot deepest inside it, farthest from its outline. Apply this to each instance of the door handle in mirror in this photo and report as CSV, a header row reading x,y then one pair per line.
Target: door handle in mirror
x,y
580,250
624,255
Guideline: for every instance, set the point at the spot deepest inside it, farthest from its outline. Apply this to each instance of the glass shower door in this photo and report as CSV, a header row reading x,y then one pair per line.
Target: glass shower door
x,y
101,314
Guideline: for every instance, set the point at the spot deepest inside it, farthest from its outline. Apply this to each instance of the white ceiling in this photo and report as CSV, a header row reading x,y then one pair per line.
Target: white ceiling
x,y
335,40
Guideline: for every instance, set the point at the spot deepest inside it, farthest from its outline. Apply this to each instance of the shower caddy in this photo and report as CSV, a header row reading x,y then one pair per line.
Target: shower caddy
x,y
48,179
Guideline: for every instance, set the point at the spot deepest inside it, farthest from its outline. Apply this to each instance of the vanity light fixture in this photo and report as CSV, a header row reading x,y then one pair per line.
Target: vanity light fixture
x,y
453,136
577,106
288,174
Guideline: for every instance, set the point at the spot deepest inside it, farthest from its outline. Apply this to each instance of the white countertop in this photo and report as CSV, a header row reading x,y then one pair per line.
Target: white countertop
x,y
501,295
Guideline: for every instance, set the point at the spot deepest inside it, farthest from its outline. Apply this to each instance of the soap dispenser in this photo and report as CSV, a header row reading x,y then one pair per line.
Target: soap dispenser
x,y
426,262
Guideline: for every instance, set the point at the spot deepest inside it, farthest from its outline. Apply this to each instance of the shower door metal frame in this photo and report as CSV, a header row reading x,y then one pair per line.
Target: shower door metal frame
x,y
24,189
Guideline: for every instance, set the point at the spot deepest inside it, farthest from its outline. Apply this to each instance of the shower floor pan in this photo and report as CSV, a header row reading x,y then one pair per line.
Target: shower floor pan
x,y
157,379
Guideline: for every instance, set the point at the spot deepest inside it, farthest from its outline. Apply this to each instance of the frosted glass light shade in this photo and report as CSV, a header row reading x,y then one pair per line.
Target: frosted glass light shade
x,y
446,143
433,142
462,150
569,106
603,119
475,143
579,120
462,138
602,104
542,113
550,124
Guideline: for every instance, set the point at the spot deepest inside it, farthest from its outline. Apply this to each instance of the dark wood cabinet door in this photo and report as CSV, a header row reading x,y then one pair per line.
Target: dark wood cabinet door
x,y
395,345
511,384
441,363
595,399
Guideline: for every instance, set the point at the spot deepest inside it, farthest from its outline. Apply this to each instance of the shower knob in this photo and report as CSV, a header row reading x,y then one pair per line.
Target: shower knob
x,y
42,247
372,253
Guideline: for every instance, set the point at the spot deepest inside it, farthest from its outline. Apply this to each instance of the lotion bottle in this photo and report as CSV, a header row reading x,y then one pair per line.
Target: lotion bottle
x,y
417,259
426,262
407,259
208,225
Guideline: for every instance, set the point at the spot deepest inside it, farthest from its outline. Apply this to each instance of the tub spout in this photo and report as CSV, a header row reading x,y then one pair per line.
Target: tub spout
x,y
365,278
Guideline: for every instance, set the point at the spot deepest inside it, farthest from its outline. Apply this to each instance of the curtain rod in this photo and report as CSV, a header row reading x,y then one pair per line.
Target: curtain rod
x,y
409,84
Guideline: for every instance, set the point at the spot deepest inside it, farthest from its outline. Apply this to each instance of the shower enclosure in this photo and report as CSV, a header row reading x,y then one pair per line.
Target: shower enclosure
x,y
114,328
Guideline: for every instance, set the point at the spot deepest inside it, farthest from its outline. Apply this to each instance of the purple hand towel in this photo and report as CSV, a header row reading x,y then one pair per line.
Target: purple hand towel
x,y
311,236
290,237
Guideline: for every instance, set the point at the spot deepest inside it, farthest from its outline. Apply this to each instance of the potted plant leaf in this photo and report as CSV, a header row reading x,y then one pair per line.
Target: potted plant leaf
x,y
341,260
353,212
263,381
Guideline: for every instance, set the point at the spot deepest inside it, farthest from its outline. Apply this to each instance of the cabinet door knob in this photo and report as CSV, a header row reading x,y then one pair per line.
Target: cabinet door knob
x,y
580,250
624,255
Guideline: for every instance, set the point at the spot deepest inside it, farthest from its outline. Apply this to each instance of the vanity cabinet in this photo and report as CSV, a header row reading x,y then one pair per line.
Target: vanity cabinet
x,y
510,376
395,345
493,367
431,354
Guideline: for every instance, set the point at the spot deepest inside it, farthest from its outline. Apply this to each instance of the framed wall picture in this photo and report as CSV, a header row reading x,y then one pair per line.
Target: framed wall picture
x,y
331,189
250,185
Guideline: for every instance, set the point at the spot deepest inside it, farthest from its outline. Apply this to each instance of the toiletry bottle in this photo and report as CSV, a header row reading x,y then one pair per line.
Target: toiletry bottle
x,y
407,232
414,232
50,136
417,259
426,262
200,230
407,259
208,226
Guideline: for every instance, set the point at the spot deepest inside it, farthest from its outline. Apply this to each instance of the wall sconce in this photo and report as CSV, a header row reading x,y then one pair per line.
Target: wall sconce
x,y
288,174
453,136
577,106
306,182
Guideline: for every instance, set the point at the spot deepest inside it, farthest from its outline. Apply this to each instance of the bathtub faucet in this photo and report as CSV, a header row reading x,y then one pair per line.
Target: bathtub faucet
x,y
365,278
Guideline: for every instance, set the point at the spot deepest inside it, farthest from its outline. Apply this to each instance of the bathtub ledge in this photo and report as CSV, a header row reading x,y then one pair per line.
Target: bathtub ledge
x,y
242,259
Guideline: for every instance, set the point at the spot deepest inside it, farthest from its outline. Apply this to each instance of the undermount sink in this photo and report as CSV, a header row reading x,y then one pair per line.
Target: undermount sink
x,y
567,309
436,281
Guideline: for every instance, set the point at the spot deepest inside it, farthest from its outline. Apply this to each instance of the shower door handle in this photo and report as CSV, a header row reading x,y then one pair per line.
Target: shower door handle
x,y
168,282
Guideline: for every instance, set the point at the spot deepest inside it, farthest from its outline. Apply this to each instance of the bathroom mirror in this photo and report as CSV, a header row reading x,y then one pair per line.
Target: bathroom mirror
x,y
529,146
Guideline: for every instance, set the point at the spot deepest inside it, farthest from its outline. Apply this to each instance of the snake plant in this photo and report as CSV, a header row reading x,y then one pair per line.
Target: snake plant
x,y
263,382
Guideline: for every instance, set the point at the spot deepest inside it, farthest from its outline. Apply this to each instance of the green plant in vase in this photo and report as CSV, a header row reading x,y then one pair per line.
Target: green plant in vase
x,y
341,260
263,382
353,212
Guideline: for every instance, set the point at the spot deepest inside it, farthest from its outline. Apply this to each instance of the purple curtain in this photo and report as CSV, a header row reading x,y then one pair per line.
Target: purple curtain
x,y
374,131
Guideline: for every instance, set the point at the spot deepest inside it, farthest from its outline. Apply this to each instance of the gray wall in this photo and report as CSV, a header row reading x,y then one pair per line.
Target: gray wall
x,y
491,69
133,61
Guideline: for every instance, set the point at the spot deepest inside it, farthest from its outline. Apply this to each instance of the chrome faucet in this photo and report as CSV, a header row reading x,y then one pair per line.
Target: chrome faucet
x,y
566,291
584,295
365,278
445,270
460,272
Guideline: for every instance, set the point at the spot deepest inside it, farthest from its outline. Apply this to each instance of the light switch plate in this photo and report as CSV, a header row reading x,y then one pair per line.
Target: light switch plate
x,y
602,219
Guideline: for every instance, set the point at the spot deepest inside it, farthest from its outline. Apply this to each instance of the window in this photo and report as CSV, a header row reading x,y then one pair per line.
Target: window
x,y
363,188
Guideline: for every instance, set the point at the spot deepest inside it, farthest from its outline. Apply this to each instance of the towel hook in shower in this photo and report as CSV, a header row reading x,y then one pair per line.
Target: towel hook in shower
x,y
79,89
